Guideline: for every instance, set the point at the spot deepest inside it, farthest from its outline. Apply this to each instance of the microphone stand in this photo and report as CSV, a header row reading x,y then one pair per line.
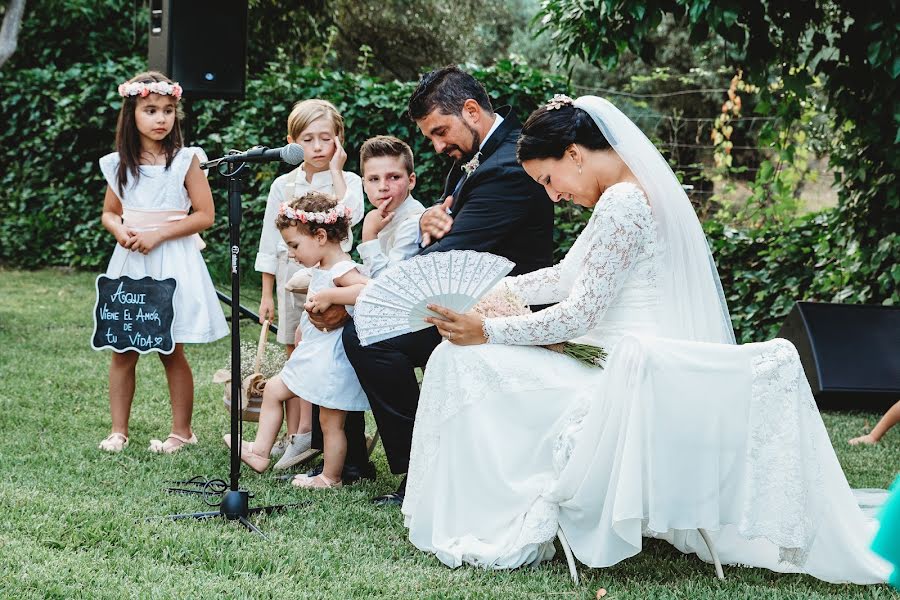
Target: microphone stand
x,y
235,502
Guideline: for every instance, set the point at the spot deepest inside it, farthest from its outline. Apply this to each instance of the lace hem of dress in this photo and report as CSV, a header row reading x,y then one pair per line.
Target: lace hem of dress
x,y
782,485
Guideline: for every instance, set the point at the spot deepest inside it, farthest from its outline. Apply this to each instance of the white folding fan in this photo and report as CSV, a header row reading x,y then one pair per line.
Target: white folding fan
x,y
394,303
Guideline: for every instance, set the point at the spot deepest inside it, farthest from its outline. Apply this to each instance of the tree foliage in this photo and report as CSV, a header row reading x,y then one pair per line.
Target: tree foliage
x,y
850,47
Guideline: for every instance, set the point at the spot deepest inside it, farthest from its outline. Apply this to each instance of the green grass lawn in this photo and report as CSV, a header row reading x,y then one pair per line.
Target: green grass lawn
x,y
73,519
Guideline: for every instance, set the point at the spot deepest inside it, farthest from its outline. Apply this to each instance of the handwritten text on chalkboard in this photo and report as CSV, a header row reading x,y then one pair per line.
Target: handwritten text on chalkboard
x,y
134,314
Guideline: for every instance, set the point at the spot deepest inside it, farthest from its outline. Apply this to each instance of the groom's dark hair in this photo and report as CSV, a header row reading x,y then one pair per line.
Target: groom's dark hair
x,y
447,90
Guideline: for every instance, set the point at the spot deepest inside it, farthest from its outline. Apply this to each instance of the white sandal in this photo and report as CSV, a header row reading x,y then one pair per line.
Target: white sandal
x,y
167,447
317,482
114,442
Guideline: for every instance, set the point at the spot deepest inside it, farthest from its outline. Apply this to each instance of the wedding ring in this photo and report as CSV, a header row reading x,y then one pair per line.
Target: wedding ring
x,y
324,330
450,336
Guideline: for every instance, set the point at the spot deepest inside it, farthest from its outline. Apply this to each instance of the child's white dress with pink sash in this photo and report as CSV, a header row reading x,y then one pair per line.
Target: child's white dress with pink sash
x,y
158,199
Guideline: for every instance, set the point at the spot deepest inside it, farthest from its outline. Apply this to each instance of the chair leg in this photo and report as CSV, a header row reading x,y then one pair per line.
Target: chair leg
x,y
371,442
570,559
715,555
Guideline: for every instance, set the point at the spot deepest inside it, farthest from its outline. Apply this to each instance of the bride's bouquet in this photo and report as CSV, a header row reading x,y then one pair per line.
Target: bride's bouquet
x,y
502,302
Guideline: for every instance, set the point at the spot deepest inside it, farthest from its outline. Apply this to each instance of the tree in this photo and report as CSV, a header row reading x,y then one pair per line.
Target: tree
x,y
9,33
850,47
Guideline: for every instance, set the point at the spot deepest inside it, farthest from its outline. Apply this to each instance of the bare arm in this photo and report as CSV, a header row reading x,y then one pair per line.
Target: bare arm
x,y
266,303
112,218
336,166
344,296
350,284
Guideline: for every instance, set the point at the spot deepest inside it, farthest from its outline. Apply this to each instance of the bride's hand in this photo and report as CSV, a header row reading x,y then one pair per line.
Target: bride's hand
x,y
461,329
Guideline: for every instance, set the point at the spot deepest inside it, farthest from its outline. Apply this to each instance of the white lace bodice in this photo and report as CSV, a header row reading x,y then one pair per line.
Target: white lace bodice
x,y
605,286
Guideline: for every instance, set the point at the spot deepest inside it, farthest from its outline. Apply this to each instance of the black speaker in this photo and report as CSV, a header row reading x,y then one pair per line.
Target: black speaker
x,y
202,44
850,353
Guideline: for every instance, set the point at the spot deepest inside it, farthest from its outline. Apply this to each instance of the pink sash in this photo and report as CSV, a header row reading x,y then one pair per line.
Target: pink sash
x,y
151,220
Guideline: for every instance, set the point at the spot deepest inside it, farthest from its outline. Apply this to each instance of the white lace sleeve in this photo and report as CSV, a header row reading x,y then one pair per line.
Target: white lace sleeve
x,y
538,287
617,231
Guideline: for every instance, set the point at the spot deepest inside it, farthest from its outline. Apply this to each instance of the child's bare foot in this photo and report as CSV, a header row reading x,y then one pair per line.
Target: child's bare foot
x,y
867,440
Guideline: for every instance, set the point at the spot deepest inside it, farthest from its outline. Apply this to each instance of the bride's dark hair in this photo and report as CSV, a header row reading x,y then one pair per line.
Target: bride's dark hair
x,y
548,132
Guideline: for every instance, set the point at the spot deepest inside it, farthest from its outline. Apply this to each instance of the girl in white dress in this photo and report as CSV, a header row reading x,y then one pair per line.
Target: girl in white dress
x,y
157,200
318,371
319,128
681,433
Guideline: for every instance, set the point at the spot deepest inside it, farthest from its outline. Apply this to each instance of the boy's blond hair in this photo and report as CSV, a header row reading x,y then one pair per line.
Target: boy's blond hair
x,y
386,145
307,111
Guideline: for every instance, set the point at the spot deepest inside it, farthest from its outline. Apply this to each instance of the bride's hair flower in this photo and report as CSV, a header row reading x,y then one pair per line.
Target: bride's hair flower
x,y
558,101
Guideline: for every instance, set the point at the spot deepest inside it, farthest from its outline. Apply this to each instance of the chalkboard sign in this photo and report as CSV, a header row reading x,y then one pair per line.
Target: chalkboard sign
x,y
134,314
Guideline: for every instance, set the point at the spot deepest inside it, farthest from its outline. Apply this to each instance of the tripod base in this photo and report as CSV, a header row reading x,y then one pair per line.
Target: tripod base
x,y
235,506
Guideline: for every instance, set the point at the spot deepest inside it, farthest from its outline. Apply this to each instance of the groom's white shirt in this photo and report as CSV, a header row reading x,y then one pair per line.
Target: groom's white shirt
x,y
497,121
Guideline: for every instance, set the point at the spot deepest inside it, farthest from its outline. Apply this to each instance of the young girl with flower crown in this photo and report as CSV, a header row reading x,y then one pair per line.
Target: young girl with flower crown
x,y
319,128
313,228
157,201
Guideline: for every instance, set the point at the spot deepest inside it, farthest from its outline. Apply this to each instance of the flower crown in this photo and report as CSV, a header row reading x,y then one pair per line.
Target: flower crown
x,y
142,89
558,101
304,216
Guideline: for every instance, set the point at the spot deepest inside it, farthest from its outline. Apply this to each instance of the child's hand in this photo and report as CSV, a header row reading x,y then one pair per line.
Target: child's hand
x,y
123,236
144,241
266,310
375,221
317,305
336,164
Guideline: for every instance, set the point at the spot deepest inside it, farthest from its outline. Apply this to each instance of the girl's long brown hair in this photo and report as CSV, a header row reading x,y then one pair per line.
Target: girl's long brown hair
x,y
128,139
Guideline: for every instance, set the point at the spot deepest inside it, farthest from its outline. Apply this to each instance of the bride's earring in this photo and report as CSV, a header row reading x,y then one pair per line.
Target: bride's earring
x,y
578,164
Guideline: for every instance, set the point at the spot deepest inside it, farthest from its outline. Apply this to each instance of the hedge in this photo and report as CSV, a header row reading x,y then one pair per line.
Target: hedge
x,y
64,120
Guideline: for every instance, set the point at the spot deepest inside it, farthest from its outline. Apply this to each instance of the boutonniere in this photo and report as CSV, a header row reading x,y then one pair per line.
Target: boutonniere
x,y
470,166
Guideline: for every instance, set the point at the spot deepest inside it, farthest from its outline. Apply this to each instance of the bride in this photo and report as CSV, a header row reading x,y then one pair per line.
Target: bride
x,y
680,430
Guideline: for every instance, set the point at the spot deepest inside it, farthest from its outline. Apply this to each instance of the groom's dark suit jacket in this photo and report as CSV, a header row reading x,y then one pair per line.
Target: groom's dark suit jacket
x,y
499,208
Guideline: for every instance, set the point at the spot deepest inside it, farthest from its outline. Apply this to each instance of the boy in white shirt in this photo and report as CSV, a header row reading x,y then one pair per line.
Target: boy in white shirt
x,y
319,128
389,231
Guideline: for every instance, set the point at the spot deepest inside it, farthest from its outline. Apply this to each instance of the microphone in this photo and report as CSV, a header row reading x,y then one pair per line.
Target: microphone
x,y
292,154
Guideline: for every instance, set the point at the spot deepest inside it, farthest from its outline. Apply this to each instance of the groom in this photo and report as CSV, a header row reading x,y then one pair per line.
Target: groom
x,y
491,205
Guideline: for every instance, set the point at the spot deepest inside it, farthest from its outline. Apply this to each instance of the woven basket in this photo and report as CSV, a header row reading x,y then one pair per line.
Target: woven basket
x,y
251,404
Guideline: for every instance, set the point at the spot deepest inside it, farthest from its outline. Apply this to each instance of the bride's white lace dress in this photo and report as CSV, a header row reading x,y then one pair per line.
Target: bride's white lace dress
x,y
512,440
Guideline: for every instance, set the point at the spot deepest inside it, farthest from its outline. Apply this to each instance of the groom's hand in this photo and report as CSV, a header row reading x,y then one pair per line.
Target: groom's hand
x,y
331,318
436,222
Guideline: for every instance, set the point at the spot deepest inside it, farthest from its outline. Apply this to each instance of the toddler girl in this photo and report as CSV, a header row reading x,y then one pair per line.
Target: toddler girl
x,y
319,128
157,200
313,228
